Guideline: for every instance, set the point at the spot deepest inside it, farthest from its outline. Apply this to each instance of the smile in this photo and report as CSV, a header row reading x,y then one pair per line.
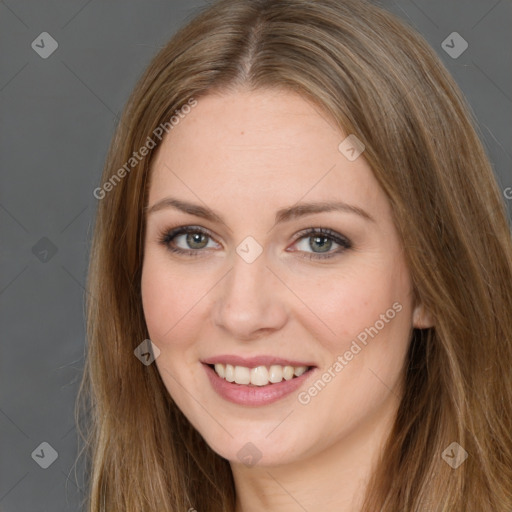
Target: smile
x,y
258,385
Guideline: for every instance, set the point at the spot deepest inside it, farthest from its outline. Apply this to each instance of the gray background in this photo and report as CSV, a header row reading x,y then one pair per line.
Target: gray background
x,y
57,118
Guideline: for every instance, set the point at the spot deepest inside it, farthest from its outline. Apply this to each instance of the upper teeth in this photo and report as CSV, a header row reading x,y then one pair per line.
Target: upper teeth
x,y
259,376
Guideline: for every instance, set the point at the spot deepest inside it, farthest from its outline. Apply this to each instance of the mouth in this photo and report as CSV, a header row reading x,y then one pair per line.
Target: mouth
x,y
261,381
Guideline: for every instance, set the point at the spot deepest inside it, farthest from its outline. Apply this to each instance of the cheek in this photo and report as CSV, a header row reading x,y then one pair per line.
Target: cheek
x,y
166,298
347,304
170,299
158,299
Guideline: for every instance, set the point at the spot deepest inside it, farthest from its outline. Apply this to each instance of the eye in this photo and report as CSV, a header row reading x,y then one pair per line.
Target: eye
x,y
321,241
189,240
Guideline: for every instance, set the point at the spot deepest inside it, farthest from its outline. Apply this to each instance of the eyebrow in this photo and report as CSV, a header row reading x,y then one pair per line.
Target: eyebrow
x,y
283,215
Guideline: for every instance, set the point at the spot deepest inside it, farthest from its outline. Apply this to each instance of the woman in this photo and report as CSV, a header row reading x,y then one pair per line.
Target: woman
x,y
297,212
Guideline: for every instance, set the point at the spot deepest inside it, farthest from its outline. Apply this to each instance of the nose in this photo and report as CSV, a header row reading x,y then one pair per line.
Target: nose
x,y
250,302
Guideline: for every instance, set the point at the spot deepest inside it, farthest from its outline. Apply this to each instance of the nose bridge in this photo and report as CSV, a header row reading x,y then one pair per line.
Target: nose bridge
x,y
248,279
249,300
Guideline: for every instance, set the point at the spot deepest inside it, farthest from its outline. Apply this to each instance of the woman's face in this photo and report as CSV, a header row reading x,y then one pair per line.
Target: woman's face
x,y
255,288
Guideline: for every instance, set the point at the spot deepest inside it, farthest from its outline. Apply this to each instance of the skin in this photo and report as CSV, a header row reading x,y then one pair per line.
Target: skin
x,y
247,154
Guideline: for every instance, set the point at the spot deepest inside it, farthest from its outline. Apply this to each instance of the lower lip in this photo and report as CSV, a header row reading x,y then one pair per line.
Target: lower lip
x,y
254,395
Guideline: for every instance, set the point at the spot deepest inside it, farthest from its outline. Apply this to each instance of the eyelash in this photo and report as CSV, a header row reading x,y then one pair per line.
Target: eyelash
x,y
167,237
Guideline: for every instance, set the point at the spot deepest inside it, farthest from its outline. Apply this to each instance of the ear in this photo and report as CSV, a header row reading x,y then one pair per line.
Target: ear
x,y
422,318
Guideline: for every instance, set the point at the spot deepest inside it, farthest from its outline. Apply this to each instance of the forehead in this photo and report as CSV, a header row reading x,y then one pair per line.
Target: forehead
x,y
256,146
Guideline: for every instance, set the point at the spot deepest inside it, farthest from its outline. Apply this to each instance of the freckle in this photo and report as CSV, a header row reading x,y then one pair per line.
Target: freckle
x,y
241,133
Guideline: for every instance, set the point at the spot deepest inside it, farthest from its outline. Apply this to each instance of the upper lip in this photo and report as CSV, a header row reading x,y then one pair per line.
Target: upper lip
x,y
253,362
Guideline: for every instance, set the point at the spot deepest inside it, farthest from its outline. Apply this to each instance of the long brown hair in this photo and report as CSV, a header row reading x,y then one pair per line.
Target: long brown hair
x,y
375,77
